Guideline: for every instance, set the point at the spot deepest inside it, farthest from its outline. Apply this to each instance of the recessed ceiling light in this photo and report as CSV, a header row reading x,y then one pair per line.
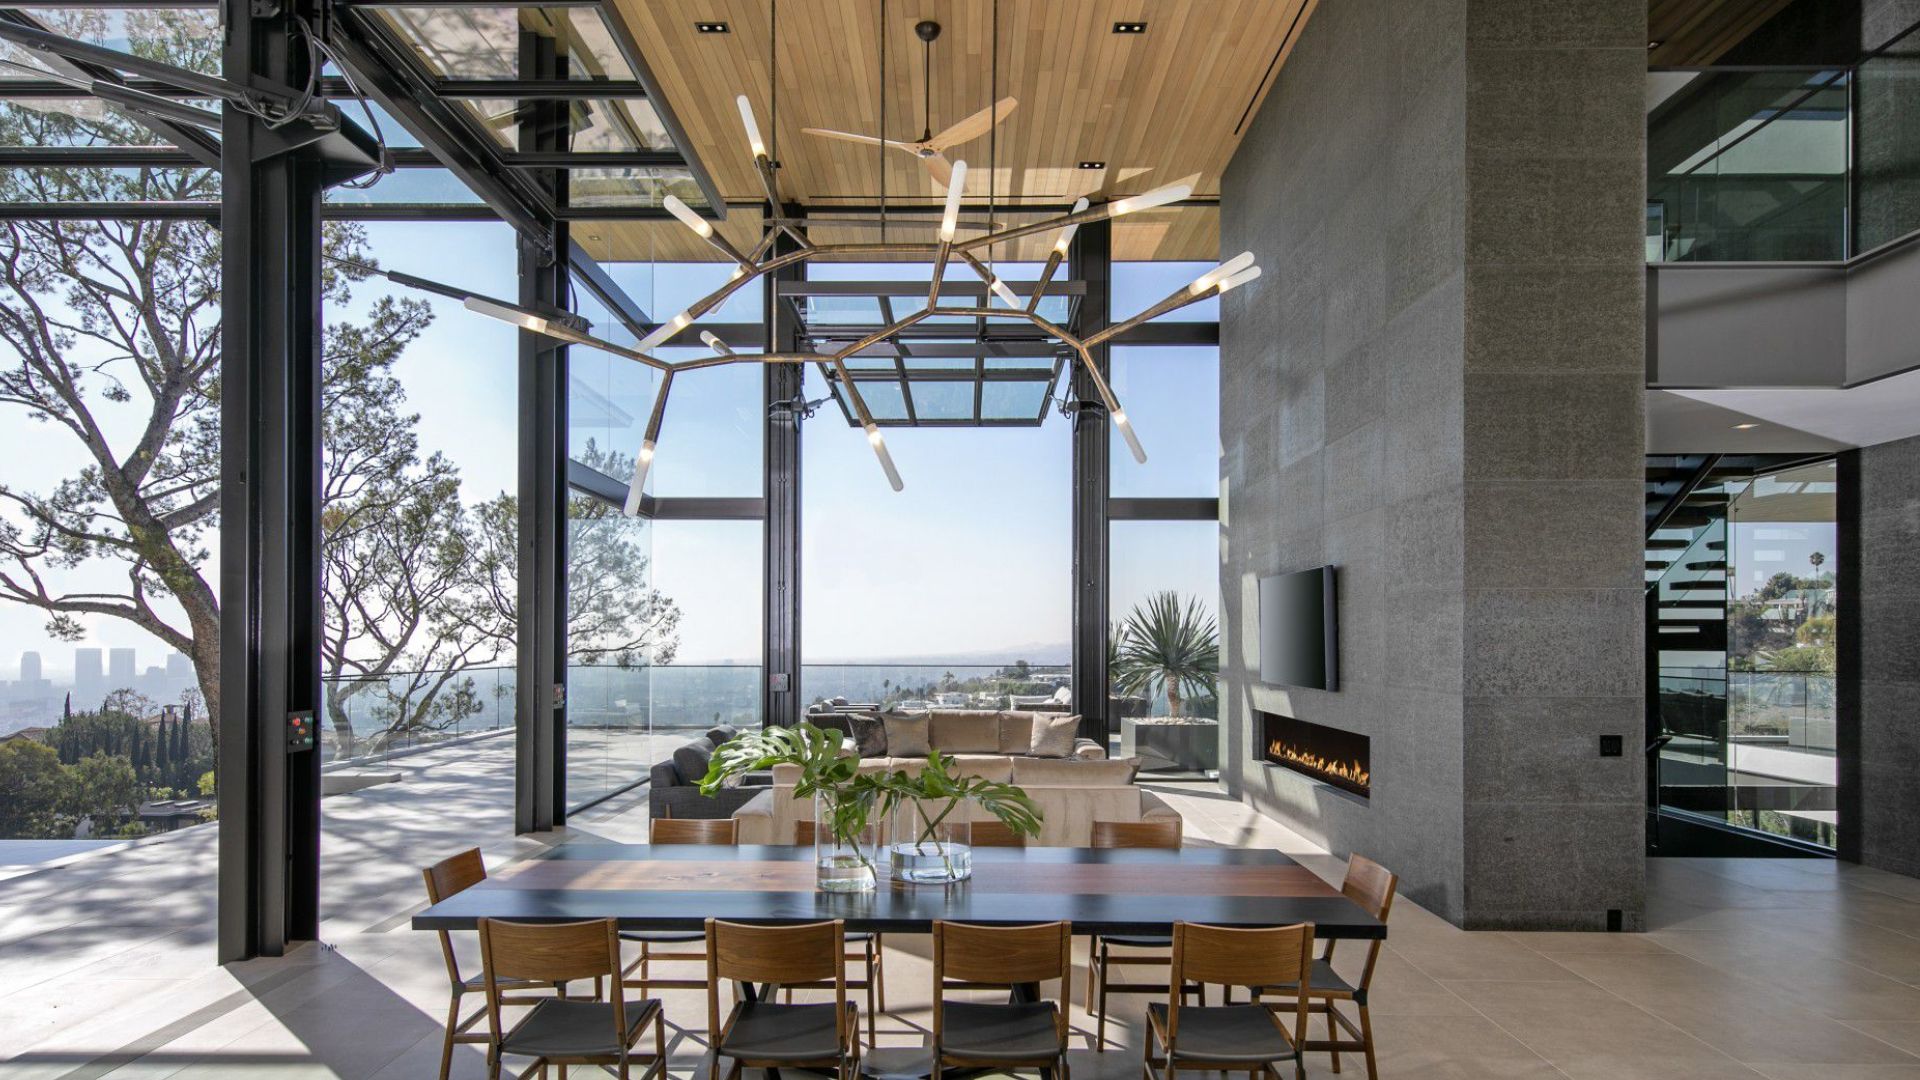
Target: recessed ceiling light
x,y
1093,164
1129,28
1652,45
711,27
1745,427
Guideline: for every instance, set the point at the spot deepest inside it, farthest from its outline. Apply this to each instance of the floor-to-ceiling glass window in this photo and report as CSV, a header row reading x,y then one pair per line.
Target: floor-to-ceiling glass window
x,y
1781,609
663,608
1742,586
955,591
1164,539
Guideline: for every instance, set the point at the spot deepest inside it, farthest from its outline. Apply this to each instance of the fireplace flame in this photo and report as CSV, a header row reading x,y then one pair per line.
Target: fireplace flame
x,y
1351,772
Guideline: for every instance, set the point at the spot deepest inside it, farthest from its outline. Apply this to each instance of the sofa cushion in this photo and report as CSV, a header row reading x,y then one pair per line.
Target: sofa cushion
x,y
964,731
869,734
997,767
722,734
1053,734
907,734
690,760
1016,732
1072,772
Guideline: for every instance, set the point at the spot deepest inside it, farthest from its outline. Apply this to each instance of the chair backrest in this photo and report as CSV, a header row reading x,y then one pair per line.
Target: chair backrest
x,y
808,953
550,953
453,874
718,831
1136,834
788,955
1269,956
1371,886
996,834
970,956
1000,955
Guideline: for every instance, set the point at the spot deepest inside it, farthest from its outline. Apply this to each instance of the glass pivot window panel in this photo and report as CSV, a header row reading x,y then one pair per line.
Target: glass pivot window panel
x,y
484,42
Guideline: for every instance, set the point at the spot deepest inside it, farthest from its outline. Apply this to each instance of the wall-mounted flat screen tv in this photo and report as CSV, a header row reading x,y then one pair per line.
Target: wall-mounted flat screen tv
x,y
1299,640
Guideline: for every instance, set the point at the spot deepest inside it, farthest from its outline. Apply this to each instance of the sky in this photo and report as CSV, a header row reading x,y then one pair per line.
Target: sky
x,y
972,561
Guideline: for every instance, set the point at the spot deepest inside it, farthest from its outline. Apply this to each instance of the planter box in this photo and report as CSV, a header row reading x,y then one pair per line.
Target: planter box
x,y
1186,743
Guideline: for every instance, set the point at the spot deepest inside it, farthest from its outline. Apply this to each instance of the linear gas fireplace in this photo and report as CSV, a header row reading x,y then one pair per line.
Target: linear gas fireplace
x,y
1326,754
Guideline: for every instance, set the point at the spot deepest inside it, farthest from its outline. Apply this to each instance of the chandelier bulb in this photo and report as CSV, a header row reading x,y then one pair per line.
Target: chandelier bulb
x,y
701,226
950,217
879,444
752,125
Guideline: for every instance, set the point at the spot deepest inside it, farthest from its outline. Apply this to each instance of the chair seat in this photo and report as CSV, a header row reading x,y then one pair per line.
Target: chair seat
x,y
1321,980
772,1032
663,937
999,1032
1138,941
1225,1034
557,1028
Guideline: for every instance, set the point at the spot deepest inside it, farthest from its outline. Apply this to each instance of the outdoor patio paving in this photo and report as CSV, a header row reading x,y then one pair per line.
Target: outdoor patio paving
x,y
1753,969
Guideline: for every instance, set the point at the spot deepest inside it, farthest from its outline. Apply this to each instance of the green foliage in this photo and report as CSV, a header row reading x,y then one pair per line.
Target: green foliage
x,y
32,790
206,786
1168,646
850,796
935,785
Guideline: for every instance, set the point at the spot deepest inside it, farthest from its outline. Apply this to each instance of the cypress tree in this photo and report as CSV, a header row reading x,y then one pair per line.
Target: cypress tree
x,y
163,751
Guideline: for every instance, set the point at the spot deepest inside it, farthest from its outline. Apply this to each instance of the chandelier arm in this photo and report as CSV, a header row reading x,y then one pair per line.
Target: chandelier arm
x,y
721,245
1173,302
561,333
1046,278
1014,232
895,248
765,245
940,256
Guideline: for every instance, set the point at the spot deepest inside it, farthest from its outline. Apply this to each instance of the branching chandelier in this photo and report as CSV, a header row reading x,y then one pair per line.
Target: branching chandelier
x,y
751,265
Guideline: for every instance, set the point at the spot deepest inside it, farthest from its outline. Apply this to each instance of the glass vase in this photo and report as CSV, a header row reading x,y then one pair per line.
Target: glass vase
x,y
844,843
931,841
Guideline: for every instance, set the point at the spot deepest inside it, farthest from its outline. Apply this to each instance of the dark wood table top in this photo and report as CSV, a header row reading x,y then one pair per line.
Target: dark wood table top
x,y
1124,891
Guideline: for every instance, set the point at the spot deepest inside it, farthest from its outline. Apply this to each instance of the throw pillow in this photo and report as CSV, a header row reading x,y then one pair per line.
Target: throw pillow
x,y
869,734
907,734
722,734
692,759
1053,734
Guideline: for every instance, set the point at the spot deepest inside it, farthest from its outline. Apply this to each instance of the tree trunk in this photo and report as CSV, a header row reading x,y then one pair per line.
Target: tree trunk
x,y
1173,698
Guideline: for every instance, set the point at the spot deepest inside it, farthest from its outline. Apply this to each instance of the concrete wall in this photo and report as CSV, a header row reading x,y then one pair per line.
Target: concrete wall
x,y
1437,388
1880,656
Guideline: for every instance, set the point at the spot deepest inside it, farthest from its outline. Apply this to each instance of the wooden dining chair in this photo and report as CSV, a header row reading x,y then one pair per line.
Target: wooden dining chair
x,y
1231,1037
722,832
863,948
693,831
560,1030
996,834
452,875
1005,1035
1371,886
1136,950
761,1033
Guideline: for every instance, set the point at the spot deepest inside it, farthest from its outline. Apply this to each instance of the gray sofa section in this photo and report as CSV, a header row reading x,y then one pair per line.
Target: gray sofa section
x,y
673,783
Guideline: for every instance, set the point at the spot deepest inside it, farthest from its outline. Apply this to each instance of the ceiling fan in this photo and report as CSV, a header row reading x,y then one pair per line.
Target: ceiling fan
x,y
931,148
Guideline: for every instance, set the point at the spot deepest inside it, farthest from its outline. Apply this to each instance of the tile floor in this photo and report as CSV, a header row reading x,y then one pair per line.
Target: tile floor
x,y
1752,969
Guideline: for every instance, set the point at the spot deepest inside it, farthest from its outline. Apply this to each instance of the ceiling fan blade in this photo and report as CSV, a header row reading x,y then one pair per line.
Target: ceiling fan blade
x,y
939,168
845,136
973,126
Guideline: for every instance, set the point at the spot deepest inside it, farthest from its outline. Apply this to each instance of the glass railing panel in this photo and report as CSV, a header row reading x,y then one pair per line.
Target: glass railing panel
x,y
1749,166
1017,685
370,720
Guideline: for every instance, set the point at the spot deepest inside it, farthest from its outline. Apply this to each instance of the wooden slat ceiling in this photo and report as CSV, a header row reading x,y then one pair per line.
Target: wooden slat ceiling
x,y
1693,33
1159,107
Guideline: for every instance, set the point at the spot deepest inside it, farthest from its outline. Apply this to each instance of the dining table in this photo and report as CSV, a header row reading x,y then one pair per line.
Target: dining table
x,y
1100,891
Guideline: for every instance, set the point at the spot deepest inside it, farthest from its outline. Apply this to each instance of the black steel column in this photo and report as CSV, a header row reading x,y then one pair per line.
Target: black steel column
x,y
269,502
540,713
1848,639
780,696
1090,259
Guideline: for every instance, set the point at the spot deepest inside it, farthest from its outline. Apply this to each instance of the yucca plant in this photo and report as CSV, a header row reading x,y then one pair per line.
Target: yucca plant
x,y
1168,646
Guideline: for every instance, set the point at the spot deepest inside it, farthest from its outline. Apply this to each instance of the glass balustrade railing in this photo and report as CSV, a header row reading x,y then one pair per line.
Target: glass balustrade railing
x,y
1784,164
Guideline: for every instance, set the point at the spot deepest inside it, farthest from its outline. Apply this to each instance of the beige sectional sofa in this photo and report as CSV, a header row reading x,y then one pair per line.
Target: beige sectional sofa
x,y
1072,792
